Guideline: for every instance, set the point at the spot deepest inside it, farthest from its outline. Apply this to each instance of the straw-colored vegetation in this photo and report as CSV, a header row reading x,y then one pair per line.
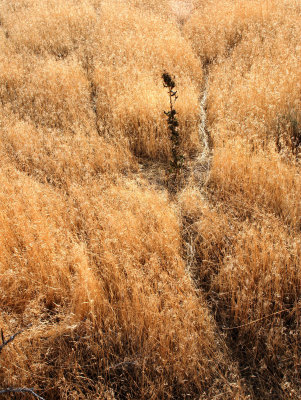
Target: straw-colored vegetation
x,y
126,287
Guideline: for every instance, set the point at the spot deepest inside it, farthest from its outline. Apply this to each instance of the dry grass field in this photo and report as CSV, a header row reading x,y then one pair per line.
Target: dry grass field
x,y
127,286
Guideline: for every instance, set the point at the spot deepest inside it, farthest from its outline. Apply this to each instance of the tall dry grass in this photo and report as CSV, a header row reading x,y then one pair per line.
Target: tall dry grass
x,y
99,274
131,293
248,236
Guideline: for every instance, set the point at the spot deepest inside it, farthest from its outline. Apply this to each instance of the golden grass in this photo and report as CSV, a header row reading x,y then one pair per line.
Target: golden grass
x,y
248,181
132,56
110,269
134,293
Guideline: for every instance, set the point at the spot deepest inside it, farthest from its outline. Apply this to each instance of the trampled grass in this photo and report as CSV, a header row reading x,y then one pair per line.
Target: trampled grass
x,y
125,290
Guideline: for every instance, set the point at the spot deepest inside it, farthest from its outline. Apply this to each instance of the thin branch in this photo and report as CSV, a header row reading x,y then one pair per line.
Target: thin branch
x,y
21,390
10,339
257,320
16,390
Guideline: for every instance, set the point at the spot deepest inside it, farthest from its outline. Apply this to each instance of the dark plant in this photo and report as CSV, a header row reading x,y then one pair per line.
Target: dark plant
x,y
177,160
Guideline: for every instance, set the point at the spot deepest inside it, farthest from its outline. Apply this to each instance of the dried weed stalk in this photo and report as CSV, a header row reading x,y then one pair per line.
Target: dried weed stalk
x,y
177,160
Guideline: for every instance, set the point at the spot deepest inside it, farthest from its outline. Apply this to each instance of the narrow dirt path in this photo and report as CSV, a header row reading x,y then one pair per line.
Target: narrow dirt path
x,y
201,165
199,174
199,168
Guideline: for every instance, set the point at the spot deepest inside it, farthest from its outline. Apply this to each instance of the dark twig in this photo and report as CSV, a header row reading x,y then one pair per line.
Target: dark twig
x,y
21,390
16,390
10,339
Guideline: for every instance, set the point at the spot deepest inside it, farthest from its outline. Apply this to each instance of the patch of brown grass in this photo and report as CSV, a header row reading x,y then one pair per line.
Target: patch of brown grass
x,y
132,293
103,283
